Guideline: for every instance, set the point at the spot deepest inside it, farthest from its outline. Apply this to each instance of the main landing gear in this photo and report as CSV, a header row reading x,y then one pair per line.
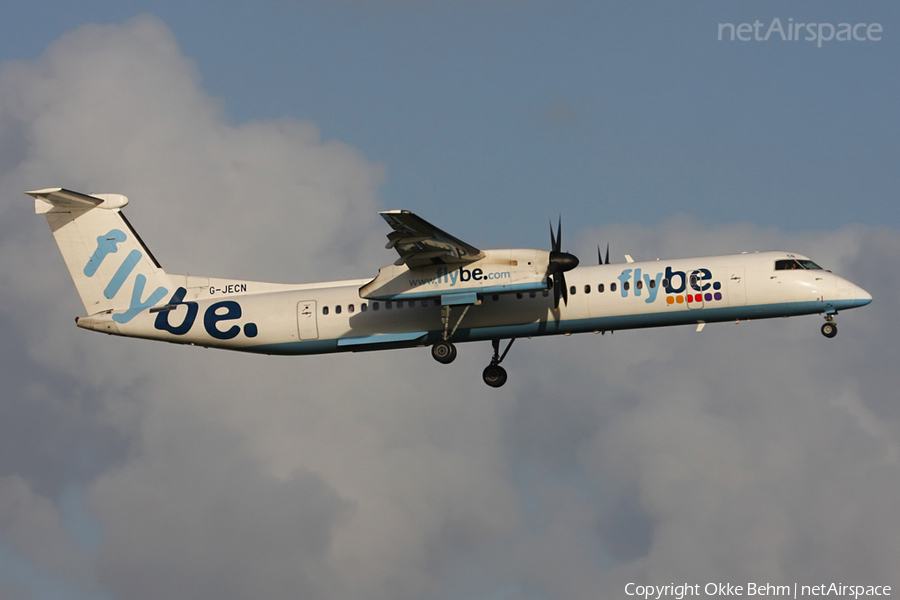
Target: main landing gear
x,y
829,328
445,352
494,375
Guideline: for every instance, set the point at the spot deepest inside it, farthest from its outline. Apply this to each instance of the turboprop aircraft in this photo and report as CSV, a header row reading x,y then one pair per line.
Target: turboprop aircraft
x,y
440,291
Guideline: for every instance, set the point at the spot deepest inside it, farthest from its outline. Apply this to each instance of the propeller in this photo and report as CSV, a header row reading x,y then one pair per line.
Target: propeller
x,y
600,256
560,262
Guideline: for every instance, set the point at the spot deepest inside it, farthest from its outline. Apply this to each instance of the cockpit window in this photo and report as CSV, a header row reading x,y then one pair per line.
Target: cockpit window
x,y
787,265
790,264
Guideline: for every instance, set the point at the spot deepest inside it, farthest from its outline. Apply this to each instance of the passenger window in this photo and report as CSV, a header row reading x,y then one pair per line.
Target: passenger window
x,y
652,283
531,294
324,310
545,293
388,305
639,285
399,303
626,285
612,287
495,297
519,295
424,303
337,309
363,307
350,308
572,290
665,283
600,288
587,289
375,306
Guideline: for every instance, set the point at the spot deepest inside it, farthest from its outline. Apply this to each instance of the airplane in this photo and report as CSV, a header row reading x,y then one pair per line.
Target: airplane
x,y
439,292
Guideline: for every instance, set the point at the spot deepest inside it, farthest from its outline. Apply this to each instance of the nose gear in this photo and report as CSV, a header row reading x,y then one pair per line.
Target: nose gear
x,y
829,329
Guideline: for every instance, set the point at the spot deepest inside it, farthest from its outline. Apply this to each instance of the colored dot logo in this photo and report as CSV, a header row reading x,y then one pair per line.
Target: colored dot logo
x,y
692,298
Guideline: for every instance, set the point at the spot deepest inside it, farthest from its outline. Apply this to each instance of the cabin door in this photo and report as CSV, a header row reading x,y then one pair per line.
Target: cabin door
x,y
734,284
306,320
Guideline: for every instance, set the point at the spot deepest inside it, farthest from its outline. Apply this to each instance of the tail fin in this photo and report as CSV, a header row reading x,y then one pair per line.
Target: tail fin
x,y
112,269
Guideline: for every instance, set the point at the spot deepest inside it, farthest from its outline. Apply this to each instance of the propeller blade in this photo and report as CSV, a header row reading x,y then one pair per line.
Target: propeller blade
x,y
599,256
556,293
564,288
560,291
558,247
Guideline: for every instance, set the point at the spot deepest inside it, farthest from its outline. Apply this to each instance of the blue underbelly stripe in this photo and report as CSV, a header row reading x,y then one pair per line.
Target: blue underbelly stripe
x,y
550,327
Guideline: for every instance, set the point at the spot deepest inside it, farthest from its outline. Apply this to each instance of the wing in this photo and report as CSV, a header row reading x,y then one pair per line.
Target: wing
x,y
419,243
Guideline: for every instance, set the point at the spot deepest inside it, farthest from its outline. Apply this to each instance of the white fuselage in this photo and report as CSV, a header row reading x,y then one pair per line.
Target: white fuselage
x,y
334,317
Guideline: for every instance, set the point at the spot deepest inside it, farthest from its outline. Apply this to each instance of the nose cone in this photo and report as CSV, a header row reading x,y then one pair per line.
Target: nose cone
x,y
861,296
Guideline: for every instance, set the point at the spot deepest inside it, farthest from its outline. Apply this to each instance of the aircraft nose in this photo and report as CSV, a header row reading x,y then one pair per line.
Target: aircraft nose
x,y
861,296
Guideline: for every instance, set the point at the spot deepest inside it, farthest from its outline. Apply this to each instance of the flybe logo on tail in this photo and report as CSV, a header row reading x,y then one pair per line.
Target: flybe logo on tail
x,y
109,244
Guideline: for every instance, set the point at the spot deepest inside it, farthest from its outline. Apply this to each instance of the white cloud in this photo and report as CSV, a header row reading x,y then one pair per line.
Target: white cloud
x,y
32,533
760,451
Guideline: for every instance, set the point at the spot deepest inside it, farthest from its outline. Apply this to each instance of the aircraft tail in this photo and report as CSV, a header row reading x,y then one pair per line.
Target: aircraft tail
x,y
112,269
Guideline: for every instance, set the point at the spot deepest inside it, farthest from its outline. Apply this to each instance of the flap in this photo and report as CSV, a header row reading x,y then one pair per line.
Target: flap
x,y
420,243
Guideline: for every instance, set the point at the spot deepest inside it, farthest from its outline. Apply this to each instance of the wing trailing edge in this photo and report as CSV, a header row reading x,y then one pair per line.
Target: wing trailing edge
x,y
419,243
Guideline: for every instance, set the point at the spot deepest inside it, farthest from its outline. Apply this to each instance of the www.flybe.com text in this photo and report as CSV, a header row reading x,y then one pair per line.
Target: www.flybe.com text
x,y
462,274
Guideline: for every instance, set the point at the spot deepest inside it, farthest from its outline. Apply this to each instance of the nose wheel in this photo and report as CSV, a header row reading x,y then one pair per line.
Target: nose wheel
x,y
829,328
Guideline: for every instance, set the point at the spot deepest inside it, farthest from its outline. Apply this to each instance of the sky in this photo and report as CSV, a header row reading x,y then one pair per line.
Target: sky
x,y
260,142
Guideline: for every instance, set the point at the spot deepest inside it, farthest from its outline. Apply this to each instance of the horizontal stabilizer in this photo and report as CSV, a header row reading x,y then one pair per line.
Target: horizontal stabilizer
x,y
63,200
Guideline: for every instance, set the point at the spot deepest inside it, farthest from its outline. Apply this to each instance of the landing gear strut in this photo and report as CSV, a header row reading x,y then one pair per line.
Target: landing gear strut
x,y
494,375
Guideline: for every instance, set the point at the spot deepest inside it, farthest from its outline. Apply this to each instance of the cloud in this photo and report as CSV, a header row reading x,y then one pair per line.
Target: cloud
x,y
758,451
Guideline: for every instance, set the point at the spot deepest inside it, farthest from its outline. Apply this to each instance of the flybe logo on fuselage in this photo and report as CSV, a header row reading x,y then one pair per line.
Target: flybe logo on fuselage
x,y
680,286
216,318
